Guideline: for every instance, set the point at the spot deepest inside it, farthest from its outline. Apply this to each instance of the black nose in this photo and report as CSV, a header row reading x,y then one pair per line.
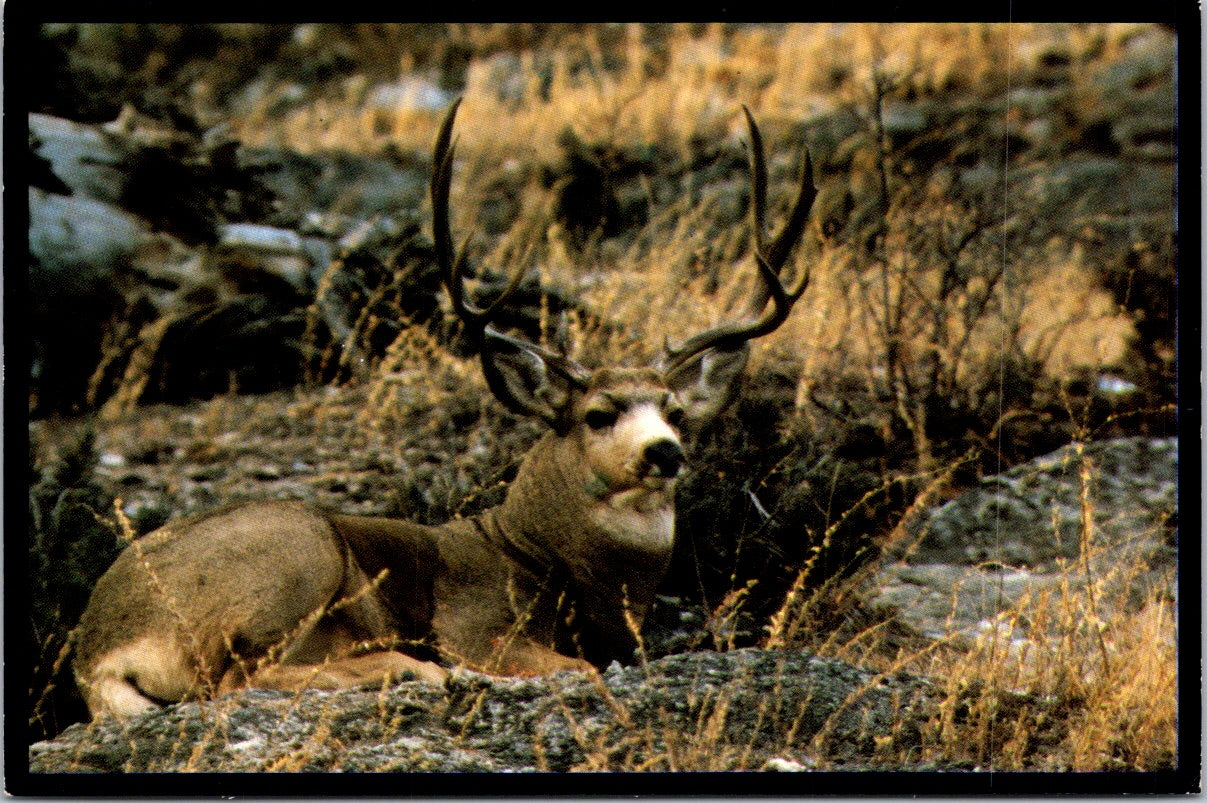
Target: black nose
x,y
666,455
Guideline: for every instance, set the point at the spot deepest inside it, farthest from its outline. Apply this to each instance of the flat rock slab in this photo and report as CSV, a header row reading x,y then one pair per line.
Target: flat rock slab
x,y
1021,535
746,709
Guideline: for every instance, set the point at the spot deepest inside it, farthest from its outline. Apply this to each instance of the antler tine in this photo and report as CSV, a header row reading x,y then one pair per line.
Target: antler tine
x,y
442,159
769,260
731,335
452,262
477,320
758,181
781,247
783,244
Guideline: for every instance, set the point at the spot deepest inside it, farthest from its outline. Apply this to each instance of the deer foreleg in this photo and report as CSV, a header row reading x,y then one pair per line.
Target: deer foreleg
x,y
372,669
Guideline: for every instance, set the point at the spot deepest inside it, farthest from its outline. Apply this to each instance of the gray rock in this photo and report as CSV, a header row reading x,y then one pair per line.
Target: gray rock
x,y
1022,533
82,156
742,709
71,234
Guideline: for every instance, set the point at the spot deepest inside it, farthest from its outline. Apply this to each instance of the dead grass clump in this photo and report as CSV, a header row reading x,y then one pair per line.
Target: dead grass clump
x,y
943,313
1078,692
1078,675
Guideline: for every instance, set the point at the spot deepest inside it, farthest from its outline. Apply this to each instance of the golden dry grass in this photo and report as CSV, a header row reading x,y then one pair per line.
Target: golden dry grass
x,y
692,88
1115,681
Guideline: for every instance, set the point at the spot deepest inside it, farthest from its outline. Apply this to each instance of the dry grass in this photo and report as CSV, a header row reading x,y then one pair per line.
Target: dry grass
x,y
1057,685
1053,685
1080,692
1081,675
682,87
695,93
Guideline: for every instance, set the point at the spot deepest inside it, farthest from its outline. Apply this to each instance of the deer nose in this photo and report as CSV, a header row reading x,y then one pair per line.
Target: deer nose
x,y
665,455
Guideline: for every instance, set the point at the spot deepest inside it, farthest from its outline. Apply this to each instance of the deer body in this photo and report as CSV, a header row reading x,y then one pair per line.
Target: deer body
x,y
559,576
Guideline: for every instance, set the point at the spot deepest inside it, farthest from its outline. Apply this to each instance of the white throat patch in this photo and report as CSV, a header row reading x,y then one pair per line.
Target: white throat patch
x,y
638,518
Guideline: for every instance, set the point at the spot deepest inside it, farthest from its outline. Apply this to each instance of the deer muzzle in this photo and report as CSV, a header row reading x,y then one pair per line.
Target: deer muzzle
x,y
665,458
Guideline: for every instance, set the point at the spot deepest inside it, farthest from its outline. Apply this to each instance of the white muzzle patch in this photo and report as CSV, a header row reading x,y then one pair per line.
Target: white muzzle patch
x,y
638,429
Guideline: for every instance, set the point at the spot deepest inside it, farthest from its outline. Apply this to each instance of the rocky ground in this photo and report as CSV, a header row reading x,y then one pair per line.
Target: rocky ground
x,y
748,709
745,709
210,261
1025,532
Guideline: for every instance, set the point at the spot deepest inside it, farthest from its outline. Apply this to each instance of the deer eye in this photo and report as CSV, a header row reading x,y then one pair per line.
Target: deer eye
x,y
674,416
600,419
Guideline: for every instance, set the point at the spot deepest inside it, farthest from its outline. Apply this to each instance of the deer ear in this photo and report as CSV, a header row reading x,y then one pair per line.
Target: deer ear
x,y
527,383
707,383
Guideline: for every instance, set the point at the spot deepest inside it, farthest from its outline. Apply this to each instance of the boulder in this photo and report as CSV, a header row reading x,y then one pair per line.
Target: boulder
x,y
1106,509
744,709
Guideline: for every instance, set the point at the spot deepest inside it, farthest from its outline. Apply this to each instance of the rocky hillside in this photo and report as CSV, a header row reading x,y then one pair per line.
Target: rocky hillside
x,y
782,710
748,709
937,530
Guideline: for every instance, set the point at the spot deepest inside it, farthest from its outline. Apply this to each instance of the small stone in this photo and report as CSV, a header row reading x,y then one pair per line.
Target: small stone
x,y
112,460
780,764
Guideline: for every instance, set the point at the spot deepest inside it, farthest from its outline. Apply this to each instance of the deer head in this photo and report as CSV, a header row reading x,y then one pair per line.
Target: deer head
x,y
559,576
628,423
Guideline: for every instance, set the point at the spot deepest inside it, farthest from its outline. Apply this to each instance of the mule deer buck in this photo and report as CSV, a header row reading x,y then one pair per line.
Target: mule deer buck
x,y
559,576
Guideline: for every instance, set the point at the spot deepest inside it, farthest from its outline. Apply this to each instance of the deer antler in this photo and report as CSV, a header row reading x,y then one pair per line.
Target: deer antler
x,y
451,263
770,259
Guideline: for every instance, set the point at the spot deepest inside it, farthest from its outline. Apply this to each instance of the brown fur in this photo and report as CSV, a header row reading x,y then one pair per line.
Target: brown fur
x,y
559,576
283,595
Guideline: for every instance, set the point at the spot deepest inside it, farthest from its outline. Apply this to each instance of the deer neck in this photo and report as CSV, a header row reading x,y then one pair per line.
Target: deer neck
x,y
603,538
